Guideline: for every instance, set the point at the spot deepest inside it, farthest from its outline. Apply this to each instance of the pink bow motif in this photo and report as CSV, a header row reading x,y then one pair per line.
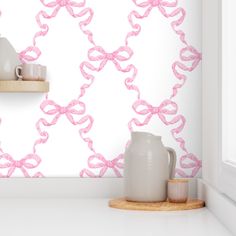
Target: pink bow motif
x,y
49,107
189,161
87,173
70,6
187,55
98,161
86,120
98,54
29,162
71,111
150,4
169,9
166,108
162,5
29,54
38,175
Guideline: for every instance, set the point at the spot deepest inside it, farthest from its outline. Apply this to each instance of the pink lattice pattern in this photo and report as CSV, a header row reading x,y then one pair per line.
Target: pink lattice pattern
x,y
75,111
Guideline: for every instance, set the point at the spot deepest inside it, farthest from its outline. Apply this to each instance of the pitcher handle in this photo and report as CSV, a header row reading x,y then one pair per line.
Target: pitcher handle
x,y
18,71
172,163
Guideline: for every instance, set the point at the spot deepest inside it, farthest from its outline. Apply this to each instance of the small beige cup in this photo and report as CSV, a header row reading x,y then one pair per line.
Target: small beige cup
x,y
177,190
31,72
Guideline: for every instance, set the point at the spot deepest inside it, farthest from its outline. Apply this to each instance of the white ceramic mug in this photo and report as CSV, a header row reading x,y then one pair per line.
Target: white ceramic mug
x,y
31,72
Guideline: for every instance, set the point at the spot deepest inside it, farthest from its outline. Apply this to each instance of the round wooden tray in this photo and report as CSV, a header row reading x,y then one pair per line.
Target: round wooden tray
x,y
121,203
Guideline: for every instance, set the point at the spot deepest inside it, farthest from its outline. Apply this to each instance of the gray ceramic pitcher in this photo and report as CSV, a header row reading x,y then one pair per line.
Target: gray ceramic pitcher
x,y
8,60
148,166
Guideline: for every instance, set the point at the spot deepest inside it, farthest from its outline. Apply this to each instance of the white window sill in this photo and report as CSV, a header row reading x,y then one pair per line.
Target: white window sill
x,y
219,204
70,206
27,217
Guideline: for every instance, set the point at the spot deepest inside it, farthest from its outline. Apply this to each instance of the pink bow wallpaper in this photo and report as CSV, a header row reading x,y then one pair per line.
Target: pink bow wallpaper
x,y
113,67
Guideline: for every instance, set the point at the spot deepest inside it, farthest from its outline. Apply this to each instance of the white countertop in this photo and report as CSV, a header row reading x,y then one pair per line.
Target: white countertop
x,y
90,217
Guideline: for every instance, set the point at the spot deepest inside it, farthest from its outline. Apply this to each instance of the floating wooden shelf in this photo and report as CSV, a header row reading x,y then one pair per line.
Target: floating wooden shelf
x,y
121,203
20,86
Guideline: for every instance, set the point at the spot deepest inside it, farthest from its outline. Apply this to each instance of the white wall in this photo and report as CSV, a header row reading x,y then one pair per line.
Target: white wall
x,y
156,50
